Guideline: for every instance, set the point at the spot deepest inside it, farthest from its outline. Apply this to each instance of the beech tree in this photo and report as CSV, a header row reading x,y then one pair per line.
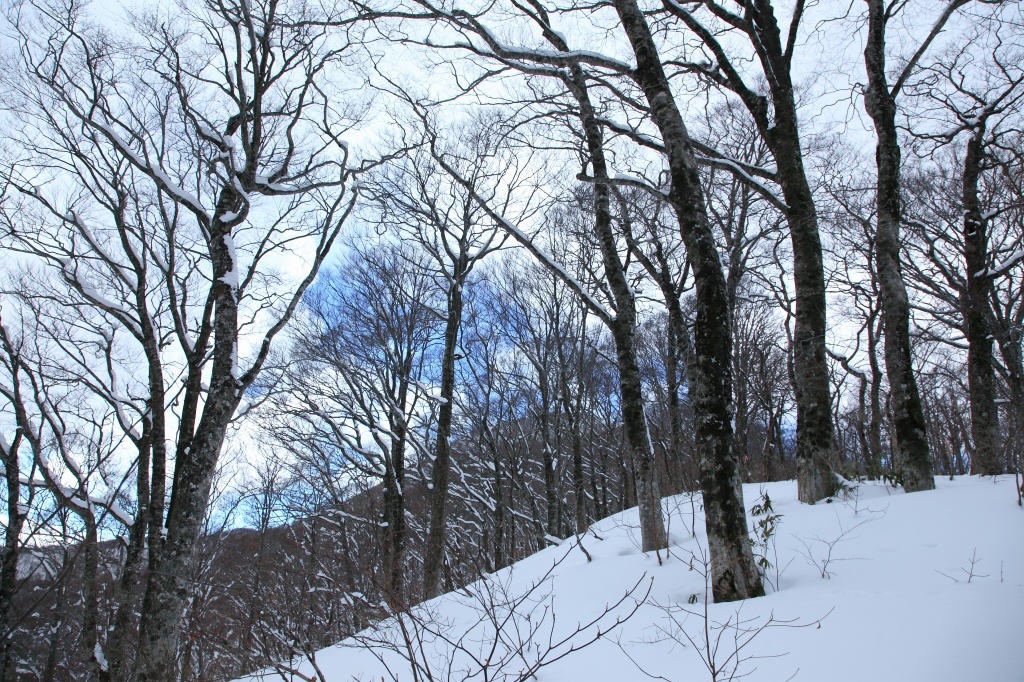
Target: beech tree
x,y
880,102
710,374
965,219
417,199
755,26
655,322
197,154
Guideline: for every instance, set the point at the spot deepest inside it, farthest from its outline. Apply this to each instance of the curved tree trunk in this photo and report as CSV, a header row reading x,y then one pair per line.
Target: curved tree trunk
x,y
812,389
623,329
908,416
733,573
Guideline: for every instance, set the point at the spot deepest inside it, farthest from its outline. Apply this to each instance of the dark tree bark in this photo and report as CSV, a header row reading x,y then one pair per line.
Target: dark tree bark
x,y
49,673
986,456
913,456
433,553
12,547
394,517
98,668
778,125
673,358
623,327
734,575
168,586
122,637
396,532
572,406
9,457
874,461
544,415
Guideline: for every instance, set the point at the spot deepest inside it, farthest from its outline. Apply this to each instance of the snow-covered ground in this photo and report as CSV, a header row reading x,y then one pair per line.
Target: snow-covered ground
x,y
878,586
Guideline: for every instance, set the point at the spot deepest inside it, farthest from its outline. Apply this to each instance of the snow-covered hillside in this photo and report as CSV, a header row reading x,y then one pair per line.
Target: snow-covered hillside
x,y
878,586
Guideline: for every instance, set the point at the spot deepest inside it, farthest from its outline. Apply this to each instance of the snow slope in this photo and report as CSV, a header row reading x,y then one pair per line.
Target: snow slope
x,y
896,600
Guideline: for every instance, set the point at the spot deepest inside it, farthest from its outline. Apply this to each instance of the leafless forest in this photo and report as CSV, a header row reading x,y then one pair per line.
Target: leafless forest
x,y
314,310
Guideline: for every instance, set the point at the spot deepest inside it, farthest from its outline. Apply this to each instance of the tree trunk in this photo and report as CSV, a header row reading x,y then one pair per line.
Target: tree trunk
x,y
733,572
623,329
814,430
169,585
777,122
986,458
124,635
499,510
394,540
908,416
547,453
131,583
572,408
10,458
634,422
57,621
1010,349
91,646
675,414
394,490
12,545
875,424
433,553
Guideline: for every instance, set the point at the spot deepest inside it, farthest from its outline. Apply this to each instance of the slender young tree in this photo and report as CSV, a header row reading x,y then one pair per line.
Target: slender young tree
x,y
416,199
856,267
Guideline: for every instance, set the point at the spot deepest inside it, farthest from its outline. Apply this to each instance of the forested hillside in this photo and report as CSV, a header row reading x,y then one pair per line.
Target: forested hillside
x,y
867,586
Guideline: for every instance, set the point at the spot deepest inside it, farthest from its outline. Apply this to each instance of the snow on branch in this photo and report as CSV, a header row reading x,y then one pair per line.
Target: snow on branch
x,y
163,181
750,174
549,262
1004,267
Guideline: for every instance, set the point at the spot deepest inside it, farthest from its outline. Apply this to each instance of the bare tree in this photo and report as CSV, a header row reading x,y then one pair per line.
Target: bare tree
x,y
880,102
417,198
758,36
968,234
191,176
855,265
73,443
355,399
